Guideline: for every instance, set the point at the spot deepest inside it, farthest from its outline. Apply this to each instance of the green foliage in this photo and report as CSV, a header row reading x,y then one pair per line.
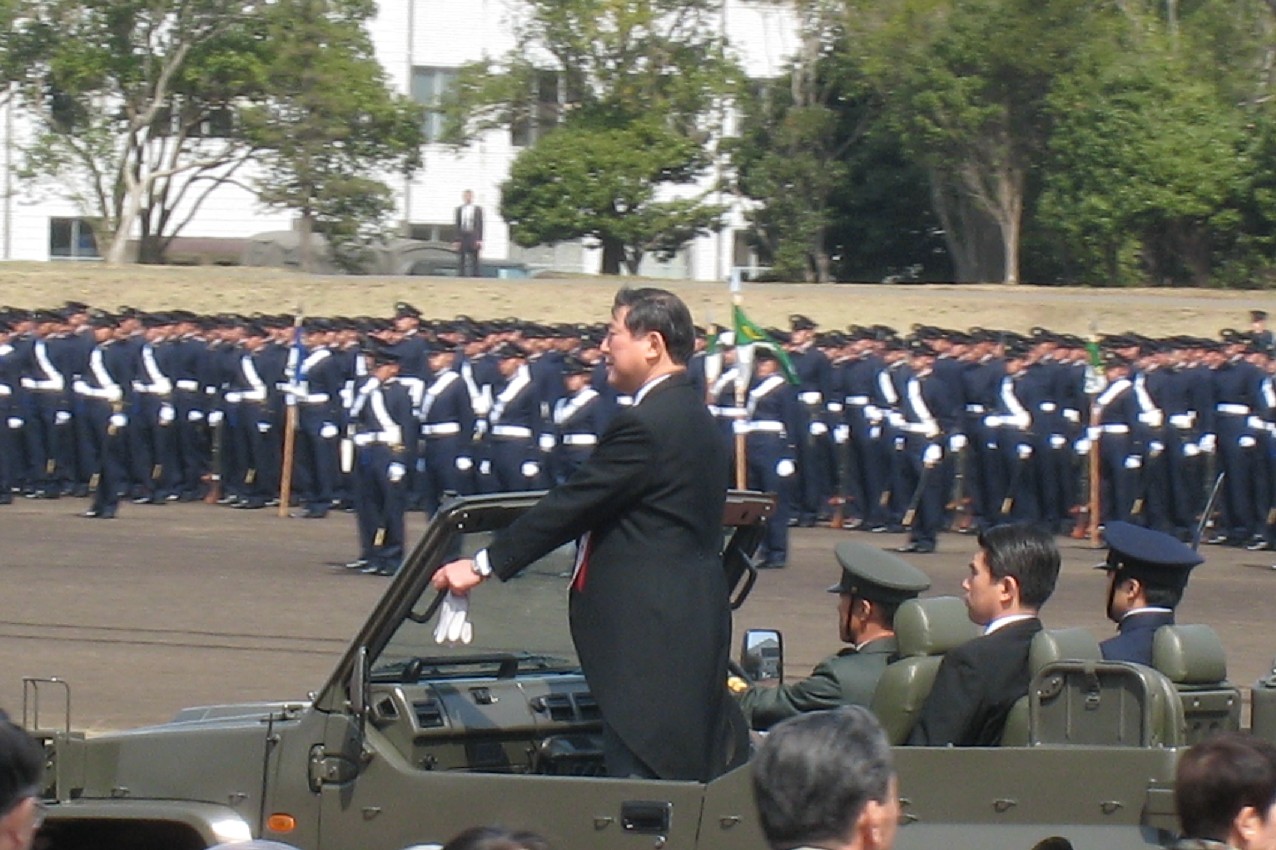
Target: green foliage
x,y
603,183
328,118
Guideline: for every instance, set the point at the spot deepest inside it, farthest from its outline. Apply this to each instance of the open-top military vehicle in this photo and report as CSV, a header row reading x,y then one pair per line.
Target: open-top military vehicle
x,y
410,741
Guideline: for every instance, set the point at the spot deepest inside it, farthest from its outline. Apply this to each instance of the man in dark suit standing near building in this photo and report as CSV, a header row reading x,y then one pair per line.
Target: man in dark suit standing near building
x,y
1011,577
649,599
469,235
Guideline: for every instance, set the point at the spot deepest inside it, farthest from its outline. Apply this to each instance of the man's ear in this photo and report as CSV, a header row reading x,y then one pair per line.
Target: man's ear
x,y
1009,586
1247,823
872,826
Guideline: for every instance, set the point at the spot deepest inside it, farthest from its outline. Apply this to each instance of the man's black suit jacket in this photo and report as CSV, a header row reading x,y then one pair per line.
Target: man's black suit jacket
x,y
1133,641
975,687
650,619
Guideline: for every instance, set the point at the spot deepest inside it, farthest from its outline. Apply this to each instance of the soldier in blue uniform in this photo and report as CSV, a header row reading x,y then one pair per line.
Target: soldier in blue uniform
x,y
382,413
928,413
152,432
1147,572
102,392
814,484
773,429
447,430
1117,438
579,418
1236,401
511,460
316,390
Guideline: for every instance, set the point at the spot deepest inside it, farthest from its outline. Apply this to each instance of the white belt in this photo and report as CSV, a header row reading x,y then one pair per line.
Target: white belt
x,y
510,431
1048,407
810,397
1183,420
313,398
579,440
5,390
1116,428
834,407
1233,409
975,408
857,400
440,429
731,412
764,427
188,385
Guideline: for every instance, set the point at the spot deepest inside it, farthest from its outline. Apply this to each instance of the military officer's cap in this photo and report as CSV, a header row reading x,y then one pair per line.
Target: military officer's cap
x,y
403,309
508,350
764,352
1150,556
101,319
573,365
381,354
436,346
798,322
875,574
1258,315
1112,359
920,347
253,329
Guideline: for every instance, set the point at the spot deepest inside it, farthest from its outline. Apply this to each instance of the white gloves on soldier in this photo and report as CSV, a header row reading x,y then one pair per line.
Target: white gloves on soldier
x,y
454,624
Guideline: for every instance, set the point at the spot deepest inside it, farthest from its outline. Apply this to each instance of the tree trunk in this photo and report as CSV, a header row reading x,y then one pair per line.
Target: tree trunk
x,y
306,253
117,254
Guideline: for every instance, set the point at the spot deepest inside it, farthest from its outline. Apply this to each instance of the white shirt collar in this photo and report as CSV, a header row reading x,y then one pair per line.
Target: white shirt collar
x,y
1002,622
647,387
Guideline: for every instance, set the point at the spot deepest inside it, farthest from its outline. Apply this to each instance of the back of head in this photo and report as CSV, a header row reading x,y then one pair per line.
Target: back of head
x,y
496,838
663,312
21,764
1026,553
815,773
1220,776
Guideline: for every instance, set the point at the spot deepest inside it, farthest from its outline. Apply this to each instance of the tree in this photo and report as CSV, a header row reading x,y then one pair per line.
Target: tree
x,y
123,94
611,73
603,183
329,119
965,84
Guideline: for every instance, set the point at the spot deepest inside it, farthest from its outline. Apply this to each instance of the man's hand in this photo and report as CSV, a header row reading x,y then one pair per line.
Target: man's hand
x,y
458,577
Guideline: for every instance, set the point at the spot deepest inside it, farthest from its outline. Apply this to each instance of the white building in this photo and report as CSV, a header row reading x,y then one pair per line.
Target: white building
x,y
421,43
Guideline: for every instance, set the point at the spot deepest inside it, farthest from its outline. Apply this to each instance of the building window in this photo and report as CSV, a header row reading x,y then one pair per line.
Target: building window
x,y
433,232
72,239
543,110
429,85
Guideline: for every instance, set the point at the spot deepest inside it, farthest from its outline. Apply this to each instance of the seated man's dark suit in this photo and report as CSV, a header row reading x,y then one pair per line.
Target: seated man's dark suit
x,y
1133,641
975,687
848,678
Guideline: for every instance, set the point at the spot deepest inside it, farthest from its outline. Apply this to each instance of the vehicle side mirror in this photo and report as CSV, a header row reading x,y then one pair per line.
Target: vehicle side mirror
x,y
762,655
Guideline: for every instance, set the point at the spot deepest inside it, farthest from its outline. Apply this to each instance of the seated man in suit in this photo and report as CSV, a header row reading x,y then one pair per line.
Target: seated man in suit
x,y
873,585
1011,577
1148,571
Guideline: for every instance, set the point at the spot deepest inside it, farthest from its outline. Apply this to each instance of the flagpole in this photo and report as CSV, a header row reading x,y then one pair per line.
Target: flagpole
x,y
741,387
290,419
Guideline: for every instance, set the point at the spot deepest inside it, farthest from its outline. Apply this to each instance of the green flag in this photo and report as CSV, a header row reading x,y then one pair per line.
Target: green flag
x,y
747,333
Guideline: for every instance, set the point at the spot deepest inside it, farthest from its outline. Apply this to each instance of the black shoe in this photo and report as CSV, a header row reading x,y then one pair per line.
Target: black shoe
x,y
80,491
371,569
916,548
89,514
876,529
356,564
1258,545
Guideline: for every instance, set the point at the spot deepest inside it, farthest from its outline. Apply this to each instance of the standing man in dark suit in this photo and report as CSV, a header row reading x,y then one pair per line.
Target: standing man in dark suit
x,y
649,610
469,235
1148,571
1011,577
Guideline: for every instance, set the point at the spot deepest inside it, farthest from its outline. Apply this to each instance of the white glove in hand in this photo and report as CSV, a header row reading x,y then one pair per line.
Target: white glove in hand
x,y
932,455
215,418
956,442
454,625
395,472
1023,451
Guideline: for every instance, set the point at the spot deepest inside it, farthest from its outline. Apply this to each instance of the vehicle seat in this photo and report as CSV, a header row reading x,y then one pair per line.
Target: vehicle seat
x,y
925,630
1193,658
1104,703
1048,647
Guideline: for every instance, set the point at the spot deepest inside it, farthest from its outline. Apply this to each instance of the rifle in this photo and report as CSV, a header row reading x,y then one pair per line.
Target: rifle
x,y
1209,509
213,478
914,502
842,454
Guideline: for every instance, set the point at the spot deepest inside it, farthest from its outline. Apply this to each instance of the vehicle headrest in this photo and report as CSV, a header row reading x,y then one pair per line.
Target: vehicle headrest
x,y
1049,646
932,626
1189,655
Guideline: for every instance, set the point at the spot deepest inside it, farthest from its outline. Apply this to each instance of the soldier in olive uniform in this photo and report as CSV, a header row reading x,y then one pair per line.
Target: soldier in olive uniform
x,y
874,583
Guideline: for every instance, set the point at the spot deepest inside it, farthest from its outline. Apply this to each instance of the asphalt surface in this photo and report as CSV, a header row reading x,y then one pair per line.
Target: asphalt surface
x,y
191,604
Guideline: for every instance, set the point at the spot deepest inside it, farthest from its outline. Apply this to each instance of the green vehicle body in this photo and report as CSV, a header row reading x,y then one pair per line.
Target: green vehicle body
x,y
409,743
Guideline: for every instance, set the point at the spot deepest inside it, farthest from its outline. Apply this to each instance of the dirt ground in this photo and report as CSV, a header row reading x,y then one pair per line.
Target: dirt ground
x,y
587,299
190,604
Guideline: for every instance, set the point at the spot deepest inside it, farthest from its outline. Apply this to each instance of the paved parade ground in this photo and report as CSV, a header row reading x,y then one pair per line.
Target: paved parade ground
x,y
188,604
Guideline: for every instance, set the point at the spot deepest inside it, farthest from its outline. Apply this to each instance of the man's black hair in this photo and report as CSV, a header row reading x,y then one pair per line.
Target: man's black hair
x,y
1220,776
1028,554
662,312
815,773
21,765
